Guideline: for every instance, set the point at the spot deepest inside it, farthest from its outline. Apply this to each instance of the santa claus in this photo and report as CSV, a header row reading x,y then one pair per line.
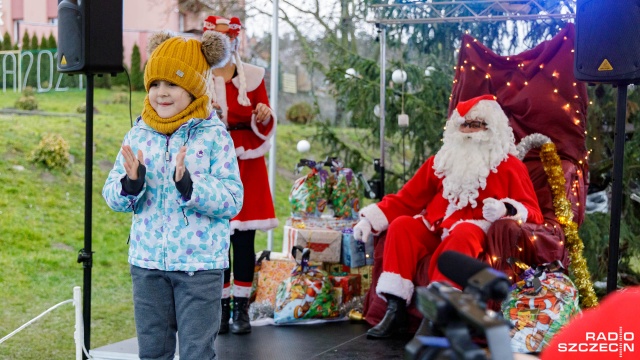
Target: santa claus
x,y
449,204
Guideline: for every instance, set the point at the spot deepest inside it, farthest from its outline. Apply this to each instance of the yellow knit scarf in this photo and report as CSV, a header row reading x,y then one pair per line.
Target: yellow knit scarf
x,y
199,108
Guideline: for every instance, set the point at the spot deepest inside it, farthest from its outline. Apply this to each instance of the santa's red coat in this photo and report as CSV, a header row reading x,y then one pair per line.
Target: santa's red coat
x,y
251,143
421,198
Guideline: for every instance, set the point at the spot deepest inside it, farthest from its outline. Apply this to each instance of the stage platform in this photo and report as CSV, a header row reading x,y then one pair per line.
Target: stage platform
x,y
329,340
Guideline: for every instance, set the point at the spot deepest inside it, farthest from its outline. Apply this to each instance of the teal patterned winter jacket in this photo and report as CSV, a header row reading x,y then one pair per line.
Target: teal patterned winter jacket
x,y
169,232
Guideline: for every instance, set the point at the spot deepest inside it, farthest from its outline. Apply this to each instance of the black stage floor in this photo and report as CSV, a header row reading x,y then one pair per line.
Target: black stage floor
x,y
330,340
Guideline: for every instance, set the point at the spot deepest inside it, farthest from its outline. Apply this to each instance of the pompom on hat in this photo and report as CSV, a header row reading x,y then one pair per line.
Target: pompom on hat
x,y
185,62
230,27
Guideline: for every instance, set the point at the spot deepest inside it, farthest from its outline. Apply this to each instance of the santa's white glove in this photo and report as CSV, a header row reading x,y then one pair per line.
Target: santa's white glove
x,y
362,230
493,209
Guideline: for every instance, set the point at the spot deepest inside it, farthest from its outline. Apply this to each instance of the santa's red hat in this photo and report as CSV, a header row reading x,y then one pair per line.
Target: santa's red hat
x,y
231,27
484,107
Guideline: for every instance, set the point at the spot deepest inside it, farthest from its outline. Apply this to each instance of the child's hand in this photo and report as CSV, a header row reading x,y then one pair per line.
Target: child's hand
x,y
130,162
262,112
180,168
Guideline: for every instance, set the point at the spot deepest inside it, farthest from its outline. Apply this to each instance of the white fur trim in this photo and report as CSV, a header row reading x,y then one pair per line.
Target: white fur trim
x,y
394,284
262,225
376,217
521,211
425,222
243,154
455,118
254,126
221,96
241,291
253,75
482,224
226,292
451,208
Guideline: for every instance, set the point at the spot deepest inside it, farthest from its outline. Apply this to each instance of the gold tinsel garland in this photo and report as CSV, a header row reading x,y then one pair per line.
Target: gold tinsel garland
x,y
562,206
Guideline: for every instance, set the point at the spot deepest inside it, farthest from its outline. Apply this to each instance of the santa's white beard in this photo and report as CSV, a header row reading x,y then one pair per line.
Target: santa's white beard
x,y
465,160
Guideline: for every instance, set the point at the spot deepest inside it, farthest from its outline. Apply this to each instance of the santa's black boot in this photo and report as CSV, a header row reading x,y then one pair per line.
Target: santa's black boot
x,y
226,315
394,320
241,323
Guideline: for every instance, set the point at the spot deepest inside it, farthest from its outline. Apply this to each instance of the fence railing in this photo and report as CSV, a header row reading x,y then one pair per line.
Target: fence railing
x,y
78,334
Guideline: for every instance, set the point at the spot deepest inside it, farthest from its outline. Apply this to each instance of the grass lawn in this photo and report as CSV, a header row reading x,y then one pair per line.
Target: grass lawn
x,y
42,217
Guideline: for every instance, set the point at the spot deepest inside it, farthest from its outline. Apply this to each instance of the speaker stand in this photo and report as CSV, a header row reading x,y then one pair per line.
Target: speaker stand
x,y
616,187
85,256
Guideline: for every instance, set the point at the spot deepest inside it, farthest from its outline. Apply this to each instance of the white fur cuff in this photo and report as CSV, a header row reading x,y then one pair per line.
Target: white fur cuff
x,y
376,217
394,284
521,211
482,224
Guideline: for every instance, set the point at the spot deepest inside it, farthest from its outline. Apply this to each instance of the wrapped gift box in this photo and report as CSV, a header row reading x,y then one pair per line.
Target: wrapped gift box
x,y
324,244
321,223
366,273
350,285
271,273
355,253
337,269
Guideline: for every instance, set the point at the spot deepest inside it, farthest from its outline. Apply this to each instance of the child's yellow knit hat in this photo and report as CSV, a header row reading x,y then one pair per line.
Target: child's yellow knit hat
x,y
185,62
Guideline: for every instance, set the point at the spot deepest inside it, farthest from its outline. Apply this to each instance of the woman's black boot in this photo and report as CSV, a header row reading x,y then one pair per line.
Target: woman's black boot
x,y
241,323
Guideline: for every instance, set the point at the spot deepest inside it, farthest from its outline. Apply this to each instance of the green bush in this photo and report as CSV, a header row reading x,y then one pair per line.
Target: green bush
x,y
52,152
28,100
27,103
300,113
28,91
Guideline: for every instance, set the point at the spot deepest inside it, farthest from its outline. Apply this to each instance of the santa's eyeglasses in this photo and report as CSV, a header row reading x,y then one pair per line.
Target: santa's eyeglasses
x,y
476,124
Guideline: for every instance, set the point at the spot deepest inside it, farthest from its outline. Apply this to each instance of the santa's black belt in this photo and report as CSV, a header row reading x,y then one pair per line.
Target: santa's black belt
x,y
239,127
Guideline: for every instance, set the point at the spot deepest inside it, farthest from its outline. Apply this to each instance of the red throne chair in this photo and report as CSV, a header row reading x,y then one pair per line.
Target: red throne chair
x,y
539,94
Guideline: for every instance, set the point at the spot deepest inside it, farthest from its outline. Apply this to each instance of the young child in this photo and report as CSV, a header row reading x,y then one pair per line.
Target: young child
x,y
177,172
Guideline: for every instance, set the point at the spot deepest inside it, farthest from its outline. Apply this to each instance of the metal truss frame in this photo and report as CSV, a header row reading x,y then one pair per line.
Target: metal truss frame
x,y
471,11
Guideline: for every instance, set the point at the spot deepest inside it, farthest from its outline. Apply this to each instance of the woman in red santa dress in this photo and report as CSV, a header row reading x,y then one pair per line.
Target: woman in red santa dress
x,y
240,97
449,204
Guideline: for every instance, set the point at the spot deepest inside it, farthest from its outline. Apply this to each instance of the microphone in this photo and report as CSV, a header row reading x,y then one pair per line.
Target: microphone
x,y
474,275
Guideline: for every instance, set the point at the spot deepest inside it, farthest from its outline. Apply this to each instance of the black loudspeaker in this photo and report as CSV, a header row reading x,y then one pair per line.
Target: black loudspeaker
x,y
90,36
607,48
